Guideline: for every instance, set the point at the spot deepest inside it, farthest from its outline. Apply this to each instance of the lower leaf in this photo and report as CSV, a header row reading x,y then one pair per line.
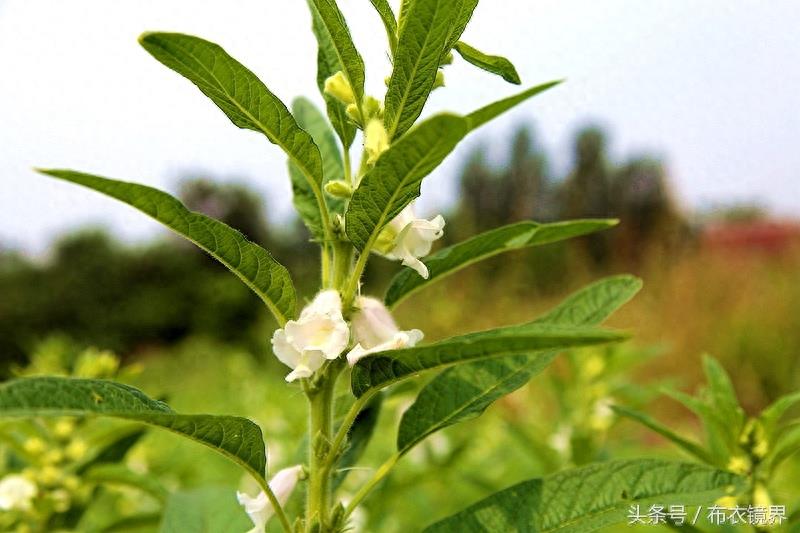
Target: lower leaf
x,y
237,438
591,497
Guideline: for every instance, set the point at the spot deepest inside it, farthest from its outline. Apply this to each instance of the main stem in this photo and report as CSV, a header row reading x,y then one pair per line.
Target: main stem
x,y
320,398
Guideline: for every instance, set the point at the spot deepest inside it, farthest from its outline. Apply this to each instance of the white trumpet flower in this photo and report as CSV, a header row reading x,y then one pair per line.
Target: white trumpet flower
x,y
407,238
259,508
17,493
375,330
319,334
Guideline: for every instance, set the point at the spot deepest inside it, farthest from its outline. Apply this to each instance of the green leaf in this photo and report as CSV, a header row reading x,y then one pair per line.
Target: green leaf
x,y
507,238
485,114
239,94
384,368
358,438
786,445
723,399
464,392
494,64
209,509
717,432
462,18
665,432
336,53
237,438
590,498
313,121
426,29
773,414
117,474
251,263
396,178
389,22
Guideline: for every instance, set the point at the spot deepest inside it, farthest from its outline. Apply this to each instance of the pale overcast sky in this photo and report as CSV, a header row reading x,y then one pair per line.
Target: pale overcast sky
x,y
710,85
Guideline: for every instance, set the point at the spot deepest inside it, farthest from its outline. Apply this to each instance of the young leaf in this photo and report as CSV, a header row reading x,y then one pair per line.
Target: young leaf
x,y
723,395
507,238
773,414
313,121
384,368
237,438
494,64
389,22
786,445
665,432
485,114
206,509
240,95
591,497
427,27
336,53
328,64
464,392
251,263
395,179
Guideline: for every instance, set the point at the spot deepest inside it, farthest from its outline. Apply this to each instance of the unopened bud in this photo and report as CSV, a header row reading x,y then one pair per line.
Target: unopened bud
x,y
338,87
372,108
64,428
354,114
76,450
339,189
376,140
439,80
447,60
34,446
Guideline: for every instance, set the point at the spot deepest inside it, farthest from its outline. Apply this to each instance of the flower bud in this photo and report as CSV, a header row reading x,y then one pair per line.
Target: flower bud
x,y
76,449
64,428
447,60
338,87
439,82
34,446
339,189
376,140
372,108
354,114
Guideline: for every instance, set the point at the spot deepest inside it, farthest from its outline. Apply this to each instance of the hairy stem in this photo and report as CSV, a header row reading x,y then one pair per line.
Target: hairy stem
x,y
321,403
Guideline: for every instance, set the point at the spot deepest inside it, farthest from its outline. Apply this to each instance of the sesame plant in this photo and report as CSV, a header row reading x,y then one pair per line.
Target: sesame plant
x,y
755,447
56,472
343,349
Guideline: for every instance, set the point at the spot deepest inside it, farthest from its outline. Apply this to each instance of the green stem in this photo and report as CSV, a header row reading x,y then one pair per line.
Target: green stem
x,y
364,491
351,289
321,400
325,259
342,261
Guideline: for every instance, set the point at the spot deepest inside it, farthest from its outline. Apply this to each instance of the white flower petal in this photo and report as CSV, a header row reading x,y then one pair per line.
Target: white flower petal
x,y
259,508
17,493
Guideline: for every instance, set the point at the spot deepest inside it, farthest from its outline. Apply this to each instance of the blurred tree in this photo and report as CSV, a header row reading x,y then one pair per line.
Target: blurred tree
x,y
586,191
651,222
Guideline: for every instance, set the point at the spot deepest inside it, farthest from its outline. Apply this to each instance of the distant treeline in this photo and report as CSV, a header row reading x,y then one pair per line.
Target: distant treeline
x,y
106,294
